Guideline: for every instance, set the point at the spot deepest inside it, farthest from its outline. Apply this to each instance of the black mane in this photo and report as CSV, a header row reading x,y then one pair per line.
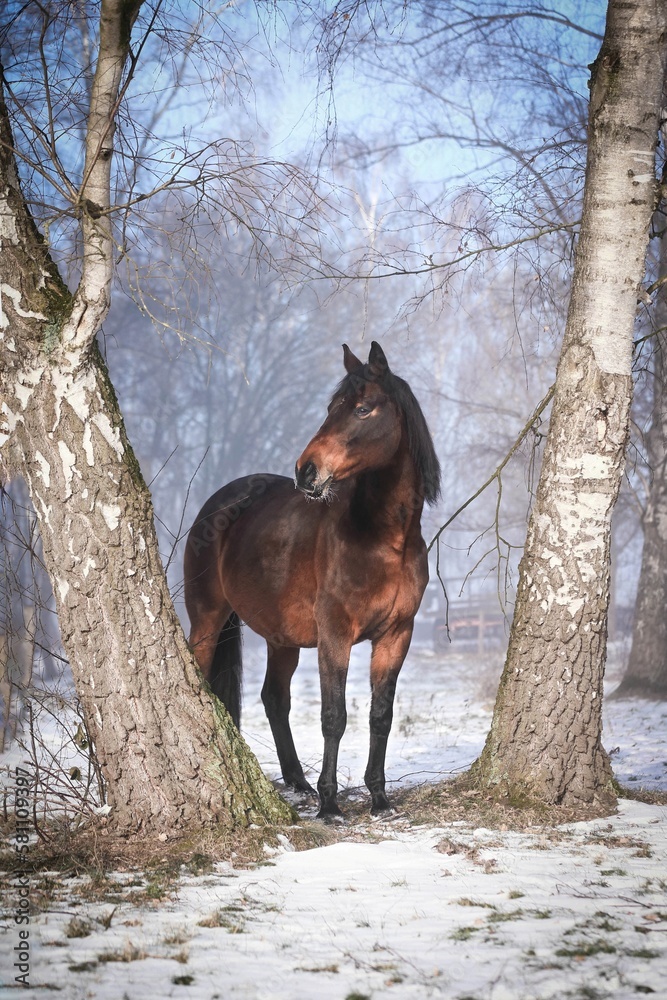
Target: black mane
x,y
420,442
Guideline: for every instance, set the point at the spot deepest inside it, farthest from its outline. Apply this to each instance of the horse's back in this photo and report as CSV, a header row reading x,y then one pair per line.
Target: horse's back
x,y
211,528
239,495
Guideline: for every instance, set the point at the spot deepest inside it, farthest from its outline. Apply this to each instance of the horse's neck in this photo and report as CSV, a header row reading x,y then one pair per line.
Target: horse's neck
x,y
390,500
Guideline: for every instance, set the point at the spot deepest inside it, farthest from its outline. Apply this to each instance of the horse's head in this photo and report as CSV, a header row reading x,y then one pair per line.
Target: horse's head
x,y
361,432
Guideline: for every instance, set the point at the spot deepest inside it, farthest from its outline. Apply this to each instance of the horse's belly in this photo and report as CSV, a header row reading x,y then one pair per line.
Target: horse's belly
x,y
292,626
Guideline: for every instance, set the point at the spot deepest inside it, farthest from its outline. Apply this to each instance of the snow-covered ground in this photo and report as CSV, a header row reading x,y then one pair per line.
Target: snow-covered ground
x,y
396,911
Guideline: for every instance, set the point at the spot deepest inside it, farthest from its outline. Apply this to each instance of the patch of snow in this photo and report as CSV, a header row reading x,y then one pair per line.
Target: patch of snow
x,y
395,912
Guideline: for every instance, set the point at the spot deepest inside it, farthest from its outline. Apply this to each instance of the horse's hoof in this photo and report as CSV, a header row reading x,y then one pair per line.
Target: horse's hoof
x,y
387,816
330,814
380,805
302,786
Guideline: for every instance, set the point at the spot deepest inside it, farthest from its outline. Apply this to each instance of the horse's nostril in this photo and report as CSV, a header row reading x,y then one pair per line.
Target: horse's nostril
x,y
306,475
309,472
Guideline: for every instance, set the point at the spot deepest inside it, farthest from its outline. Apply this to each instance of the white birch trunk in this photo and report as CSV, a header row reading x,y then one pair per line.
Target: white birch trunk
x,y
171,757
545,739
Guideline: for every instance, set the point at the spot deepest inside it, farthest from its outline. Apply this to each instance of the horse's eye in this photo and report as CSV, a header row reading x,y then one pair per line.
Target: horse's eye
x,y
362,411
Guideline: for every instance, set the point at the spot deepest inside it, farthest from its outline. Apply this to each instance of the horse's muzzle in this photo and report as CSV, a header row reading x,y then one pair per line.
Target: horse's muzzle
x,y
307,479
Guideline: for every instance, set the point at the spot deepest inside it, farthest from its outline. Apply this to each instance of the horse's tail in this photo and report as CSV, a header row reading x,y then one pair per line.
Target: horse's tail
x,y
226,672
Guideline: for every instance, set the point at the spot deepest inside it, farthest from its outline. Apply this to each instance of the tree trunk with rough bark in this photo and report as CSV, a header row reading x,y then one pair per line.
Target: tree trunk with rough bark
x,y
171,757
646,673
545,740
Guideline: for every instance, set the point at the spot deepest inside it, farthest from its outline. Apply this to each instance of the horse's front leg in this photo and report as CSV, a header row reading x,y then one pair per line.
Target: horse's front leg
x,y
387,658
333,663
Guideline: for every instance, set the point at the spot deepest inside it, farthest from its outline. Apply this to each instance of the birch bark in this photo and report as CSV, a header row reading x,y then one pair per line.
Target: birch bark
x,y
545,739
171,757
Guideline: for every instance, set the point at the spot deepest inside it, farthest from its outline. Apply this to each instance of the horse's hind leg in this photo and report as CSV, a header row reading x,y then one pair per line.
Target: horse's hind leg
x,y
207,608
387,659
281,664
206,625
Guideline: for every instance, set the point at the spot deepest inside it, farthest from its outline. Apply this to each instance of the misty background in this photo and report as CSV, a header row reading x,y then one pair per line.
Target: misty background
x,y
387,176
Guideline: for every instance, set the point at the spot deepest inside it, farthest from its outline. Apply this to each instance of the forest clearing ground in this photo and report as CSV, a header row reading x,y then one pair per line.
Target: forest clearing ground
x,y
447,897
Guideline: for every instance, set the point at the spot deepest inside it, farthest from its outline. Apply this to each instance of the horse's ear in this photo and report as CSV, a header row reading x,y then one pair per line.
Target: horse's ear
x,y
350,361
377,361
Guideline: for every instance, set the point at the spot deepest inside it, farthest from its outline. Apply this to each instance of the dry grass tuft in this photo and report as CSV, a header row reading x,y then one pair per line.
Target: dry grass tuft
x,y
458,800
96,857
130,953
653,797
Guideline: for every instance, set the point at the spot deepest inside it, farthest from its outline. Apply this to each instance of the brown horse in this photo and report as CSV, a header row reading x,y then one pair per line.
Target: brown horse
x,y
327,574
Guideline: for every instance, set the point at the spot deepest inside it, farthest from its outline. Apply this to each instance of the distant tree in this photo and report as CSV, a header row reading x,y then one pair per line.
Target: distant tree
x,y
170,755
646,672
238,394
27,627
498,175
545,738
